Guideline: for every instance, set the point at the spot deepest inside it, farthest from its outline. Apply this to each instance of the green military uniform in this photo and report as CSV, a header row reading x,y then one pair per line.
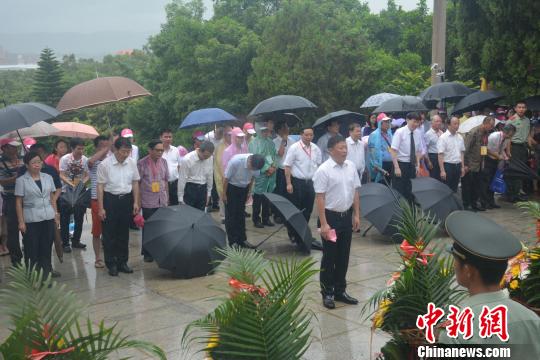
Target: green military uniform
x,y
476,236
518,151
264,146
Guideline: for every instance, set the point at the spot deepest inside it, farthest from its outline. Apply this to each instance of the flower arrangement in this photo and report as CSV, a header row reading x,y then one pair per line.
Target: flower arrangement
x,y
425,275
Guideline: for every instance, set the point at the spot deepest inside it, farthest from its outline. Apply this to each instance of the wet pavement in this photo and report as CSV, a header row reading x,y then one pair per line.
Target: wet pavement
x,y
152,305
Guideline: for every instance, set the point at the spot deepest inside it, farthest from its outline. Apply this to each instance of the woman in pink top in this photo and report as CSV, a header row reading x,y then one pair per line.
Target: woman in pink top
x,y
60,149
238,146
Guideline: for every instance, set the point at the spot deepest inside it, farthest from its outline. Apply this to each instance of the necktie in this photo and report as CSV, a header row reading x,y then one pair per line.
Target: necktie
x,y
412,155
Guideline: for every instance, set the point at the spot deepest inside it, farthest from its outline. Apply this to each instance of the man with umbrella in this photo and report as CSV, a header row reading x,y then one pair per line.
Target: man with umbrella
x,y
303,159
451,148
266,182
406,154
332,129
196,176
237,180
519,149
336,184
118,201
153,185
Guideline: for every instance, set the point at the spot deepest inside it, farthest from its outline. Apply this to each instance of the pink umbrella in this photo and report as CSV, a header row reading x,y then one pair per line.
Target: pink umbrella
x,y
74,129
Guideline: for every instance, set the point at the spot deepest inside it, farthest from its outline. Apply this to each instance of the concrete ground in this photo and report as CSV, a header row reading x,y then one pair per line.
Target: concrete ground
x,y
152,305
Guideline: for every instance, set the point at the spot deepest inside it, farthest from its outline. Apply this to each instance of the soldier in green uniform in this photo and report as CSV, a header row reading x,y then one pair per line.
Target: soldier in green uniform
x,y
481,251
266,182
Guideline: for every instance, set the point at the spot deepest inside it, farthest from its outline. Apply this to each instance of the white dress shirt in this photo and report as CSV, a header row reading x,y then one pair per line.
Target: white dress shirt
x,y
237,172
117,177
497,143
195,170
338,183
401,143
277,142
134,152
173,161
431,138
451,146
356,153
303,160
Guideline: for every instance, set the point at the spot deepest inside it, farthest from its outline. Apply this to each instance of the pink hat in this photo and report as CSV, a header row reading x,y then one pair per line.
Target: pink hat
x,y
248,127
29,141
126,133
382,117
236,131
9,141
198,134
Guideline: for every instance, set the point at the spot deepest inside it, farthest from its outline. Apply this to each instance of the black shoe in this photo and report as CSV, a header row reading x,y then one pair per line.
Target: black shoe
x,y
67,249
125,268
55,274
113,270
316,245
478,208
328,302
78,245
267,222
346,298
521,198
148,258
258,224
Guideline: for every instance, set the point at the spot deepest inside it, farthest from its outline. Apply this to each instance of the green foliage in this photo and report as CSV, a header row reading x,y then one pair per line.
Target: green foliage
x,y
530,286
48,87
265,321
15,86
45,317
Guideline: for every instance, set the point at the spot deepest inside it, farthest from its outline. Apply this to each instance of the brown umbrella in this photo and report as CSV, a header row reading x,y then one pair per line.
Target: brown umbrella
x,y
100,91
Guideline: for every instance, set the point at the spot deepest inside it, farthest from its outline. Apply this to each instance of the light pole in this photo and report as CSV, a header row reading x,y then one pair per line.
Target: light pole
x,y
438,41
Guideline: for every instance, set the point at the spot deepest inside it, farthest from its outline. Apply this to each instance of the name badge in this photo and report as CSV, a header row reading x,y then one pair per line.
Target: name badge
x,y
155,186
483,150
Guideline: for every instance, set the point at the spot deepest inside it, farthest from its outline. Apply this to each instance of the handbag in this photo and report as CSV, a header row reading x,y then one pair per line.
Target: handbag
x,y
497,183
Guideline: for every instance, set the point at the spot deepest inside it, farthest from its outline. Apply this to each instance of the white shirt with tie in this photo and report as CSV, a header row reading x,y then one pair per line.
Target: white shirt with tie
x,y
401,144
303,160
194,170
339,184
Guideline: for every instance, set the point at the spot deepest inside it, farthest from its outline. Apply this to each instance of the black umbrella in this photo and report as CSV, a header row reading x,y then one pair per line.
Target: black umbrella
x,y
183,239
290,118
344,117
401,104
518,169
449,91
282,103
477,101
533,102
435,197
380,206
75,197
18,116
293,217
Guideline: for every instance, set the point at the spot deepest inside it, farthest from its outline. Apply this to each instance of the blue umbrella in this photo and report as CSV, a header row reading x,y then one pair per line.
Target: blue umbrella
x,y
208,116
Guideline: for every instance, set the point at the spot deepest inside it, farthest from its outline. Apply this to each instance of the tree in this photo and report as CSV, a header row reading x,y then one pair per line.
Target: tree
x,y
48,87
249,13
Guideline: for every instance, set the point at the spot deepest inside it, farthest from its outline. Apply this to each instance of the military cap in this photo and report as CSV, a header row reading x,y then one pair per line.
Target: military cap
x,y
481,237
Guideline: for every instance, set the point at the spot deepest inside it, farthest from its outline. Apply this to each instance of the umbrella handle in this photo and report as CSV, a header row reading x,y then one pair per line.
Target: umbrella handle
x,y
22,142
366,231
391,190
269,236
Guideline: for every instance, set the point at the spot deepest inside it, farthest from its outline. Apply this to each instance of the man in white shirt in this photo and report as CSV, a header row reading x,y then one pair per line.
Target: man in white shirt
x,y
406,153
430,139
173,158
336,184
332,129
303,159
118,201
196,176
282,142
451,149
356,148
237,180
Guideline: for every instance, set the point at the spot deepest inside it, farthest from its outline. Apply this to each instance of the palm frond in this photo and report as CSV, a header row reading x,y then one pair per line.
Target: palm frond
x,y
531,207
242,264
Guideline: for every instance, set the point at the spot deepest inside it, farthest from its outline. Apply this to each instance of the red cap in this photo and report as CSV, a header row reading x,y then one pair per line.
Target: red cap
x,y
382,116
9,141
126,133
248,127
198,134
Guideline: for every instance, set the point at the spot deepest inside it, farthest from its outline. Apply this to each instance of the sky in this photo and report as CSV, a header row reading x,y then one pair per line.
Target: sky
x,y
90,16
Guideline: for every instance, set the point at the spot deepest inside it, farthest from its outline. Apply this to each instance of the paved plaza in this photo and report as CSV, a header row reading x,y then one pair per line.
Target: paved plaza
x,y
151,305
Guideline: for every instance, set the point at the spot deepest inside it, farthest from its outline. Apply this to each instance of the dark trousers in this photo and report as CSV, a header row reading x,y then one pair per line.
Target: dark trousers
x,y
195,195
118,211
146,213
435,172
453,174
281,183
487,196
38,241
335,258
12,224
403,183
260,205
235,220
78,218
215,195
387,166
303,197
173,192
514,185
470,185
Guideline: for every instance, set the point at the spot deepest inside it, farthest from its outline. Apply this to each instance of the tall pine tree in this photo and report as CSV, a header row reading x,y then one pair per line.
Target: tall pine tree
x,y
48,87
